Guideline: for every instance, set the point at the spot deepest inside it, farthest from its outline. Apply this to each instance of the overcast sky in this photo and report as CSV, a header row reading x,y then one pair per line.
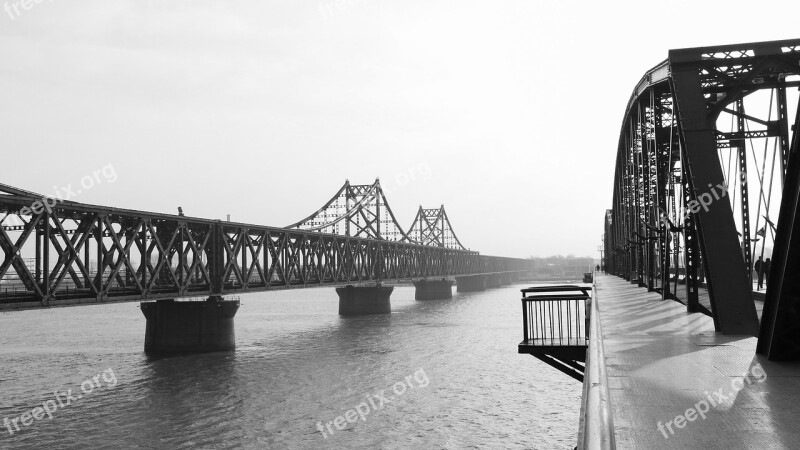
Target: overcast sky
x,y
506,112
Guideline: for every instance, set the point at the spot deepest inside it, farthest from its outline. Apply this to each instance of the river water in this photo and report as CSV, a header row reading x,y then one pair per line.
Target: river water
x,y
433,374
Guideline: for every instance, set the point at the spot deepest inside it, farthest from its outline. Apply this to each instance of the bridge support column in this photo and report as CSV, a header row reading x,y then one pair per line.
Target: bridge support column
x,y
361,300
471,283
433,289
494,280
189,327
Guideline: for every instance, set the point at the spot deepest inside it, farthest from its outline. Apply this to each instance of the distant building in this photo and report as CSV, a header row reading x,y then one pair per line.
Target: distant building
x,y
562,267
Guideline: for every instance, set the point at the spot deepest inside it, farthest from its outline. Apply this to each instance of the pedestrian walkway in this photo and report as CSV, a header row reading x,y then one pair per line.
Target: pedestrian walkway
x,y
675,383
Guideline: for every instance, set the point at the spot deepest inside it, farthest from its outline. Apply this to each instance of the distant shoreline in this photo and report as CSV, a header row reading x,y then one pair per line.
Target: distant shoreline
x,y
536,280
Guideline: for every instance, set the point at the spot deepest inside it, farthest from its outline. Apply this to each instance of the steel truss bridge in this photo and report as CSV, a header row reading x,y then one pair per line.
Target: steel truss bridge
x,y
708,181
62,252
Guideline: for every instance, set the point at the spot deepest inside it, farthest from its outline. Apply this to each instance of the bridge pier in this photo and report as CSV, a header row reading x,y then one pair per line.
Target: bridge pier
x,y
433,289
189,327
361,300
471,283
494,280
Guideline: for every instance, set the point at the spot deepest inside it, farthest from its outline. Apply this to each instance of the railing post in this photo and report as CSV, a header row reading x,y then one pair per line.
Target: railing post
x,y
524,320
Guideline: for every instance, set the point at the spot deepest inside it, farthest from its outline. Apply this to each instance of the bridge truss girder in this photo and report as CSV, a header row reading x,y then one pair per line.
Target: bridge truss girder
x,y
432,227
76,253
668,160
356,210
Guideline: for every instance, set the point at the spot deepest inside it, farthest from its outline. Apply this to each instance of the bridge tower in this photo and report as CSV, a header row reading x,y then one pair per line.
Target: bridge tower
x,y
432,227
360,211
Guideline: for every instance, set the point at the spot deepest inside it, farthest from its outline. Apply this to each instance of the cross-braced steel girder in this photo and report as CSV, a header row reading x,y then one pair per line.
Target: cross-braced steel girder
x,y
690,168
55,252
432,227
358,211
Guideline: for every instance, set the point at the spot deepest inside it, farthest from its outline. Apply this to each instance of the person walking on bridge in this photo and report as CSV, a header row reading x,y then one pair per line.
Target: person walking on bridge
x,y
767,265
759,266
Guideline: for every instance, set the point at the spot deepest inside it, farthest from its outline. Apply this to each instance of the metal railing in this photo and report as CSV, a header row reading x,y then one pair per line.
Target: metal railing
x,y
555,315
596,431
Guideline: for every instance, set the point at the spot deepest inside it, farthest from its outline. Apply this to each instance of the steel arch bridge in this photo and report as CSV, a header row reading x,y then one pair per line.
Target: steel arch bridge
x,y
57,252
707,181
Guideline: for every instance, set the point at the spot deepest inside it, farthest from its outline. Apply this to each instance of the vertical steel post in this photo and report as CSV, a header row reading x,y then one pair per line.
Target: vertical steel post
x,y
744,197
779,336
39,235
181,257
86,252
98,237
692,256
730,293
142,254
216,262
783,127
46,294
663,176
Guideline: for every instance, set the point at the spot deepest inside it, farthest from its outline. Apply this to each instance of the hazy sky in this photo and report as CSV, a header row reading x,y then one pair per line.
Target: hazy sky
x,y
506,112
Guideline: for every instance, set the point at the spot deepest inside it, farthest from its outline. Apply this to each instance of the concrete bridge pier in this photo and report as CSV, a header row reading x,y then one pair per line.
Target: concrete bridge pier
x,y
494,280
433,289
471,283
189,327
361,300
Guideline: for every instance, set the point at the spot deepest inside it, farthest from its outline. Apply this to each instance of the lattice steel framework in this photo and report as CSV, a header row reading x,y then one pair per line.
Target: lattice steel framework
x,y
358,211
432,227
62,252
705,138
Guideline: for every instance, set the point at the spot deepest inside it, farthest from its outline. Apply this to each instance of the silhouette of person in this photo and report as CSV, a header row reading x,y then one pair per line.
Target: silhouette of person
x,y
759,266
767,265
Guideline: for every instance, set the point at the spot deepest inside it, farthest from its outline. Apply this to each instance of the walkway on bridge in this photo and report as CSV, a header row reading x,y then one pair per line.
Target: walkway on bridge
x,y
662,361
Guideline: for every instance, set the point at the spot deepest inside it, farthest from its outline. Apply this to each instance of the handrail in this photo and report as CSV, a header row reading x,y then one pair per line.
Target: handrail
x,y
553,317
558,288
541,298
597,423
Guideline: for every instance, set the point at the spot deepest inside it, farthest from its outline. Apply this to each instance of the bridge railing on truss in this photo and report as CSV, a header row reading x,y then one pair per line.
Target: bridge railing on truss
x,y
86,253
555,324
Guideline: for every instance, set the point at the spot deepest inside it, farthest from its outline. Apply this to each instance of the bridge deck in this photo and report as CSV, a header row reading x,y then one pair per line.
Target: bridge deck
x,y
705,300
662,361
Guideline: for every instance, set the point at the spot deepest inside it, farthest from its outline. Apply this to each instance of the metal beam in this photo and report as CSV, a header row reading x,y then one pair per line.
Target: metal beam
x,y
728,287
779,337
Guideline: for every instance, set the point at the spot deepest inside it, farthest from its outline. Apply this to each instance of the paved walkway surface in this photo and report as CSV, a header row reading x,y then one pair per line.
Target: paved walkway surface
x,y
669,368
705,300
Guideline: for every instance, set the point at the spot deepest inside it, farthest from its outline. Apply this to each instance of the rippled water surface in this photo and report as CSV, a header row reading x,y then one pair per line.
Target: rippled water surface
x,y
297,364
